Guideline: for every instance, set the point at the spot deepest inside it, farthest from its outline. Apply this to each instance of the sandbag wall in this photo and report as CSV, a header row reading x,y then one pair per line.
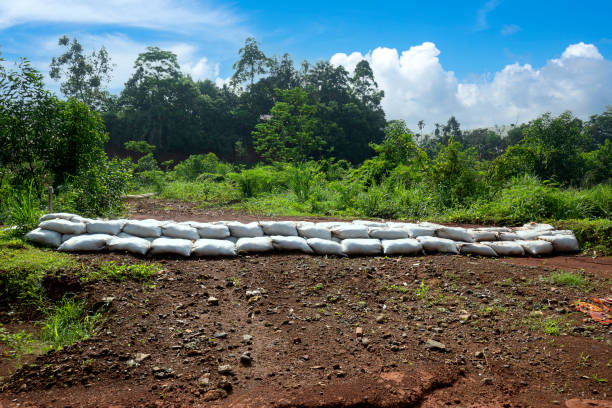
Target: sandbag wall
x,y
72,233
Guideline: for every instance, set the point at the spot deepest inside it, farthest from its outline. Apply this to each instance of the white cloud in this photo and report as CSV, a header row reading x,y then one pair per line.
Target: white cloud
x,y
418,87
510,29
483,12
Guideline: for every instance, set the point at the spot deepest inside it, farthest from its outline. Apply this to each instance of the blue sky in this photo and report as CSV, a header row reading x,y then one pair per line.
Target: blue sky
x,y
488,62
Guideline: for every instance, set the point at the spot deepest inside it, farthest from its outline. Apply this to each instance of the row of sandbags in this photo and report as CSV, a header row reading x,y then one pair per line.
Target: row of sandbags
x,y
69,232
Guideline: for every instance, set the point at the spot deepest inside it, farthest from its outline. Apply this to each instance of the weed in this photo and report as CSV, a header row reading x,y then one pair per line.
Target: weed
x,y
111,271
422,292
315,288
584,360
18,343
572,279
599,380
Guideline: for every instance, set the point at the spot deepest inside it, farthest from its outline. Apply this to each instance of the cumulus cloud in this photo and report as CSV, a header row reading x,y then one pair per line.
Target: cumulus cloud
x,y
417,86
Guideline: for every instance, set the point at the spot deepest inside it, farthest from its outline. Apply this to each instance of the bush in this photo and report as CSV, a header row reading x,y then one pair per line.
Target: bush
x,y
300,181
259,180
195,165
24,208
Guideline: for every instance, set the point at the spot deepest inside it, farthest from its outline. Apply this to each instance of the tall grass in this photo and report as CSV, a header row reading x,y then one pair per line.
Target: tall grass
x,y
24,207
68,322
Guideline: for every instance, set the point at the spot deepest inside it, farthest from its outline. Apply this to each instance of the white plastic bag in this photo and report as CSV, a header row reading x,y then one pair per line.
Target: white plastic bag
x,y
455,233
111,227
133,245
406,246
536,247
476,249
310,230
212,231
63,226
388,233
435,244
142,229
250,230
45,237
360,246
214,247
506,248
350,231
176,246
53,216
180,231
284,228
282,243
325,247
93,242
255,244
562,242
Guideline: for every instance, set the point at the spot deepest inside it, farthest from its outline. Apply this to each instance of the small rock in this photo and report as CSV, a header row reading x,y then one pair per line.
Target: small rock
x,y
220,335
380,318
479,354
214,395
246,338
359,331
435,345
365,341
487,380
225,370
204,380
139,357
213,301
246,358
132,363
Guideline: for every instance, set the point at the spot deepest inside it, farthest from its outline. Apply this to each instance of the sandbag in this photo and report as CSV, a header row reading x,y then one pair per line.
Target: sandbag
x,y
66,237
233,240
53,216
483,235
84,220
508,236
313,231
539,227
63,226
562,242
536,247
325,247
560,232
133,245
360,246
142,229
212,231
175,246
93,242
350,231
213,247
45,237
282,243
406,246
435,244
371,224
531,234
284,228
126,235
455,233
111,227
418,231
332,224
506,248
388,233
180,231
476,249
430,225
254,244
250,230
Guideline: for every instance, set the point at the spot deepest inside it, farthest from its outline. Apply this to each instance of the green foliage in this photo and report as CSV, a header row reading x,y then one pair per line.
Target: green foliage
x,y
572,279
261,179
196,165
593,235
24,208
111,271
139,146
300,182
18,343
68,322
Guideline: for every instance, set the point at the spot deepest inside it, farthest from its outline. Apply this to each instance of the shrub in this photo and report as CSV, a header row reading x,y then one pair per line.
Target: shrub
x,y
24,208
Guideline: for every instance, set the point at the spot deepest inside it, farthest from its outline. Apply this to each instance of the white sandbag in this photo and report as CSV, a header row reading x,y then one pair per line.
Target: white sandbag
x,y
53,216
350,231
250,230
435,244
476,249
540,227
180,231
508,236
530,234
430,225
132,244
284,228
233,240
254,244
282,243
562,242
561,232
111,227
66,237
506,248
388,233
359,246
211,231
494,229
332,224
483,235
78,218
418,231
406,246
63,226
393,224
309,230
126,235
45,237
93,242
143,229
536,247
323,246
371,224
455,233
175,246
213,247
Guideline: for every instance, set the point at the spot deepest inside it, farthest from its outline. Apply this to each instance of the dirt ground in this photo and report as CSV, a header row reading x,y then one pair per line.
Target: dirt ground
x,y
292,330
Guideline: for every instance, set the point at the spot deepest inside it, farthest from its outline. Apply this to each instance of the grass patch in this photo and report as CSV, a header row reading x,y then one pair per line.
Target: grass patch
x,y
112,271
550,325
572,279
594,236
68,322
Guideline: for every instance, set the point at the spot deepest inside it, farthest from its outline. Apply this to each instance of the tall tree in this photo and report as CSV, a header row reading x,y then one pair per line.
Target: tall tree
x,y
252,62
83,77
365,87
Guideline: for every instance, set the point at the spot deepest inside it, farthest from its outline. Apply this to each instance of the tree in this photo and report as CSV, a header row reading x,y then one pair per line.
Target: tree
x,y
83,77
365,87
421,125
252,62
599,127
290,134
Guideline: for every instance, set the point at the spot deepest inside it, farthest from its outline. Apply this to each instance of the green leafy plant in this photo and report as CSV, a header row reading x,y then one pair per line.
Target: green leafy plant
x,y
111,271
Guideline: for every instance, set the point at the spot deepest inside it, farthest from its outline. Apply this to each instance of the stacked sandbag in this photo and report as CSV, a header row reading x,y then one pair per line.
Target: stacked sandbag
x,y
71,232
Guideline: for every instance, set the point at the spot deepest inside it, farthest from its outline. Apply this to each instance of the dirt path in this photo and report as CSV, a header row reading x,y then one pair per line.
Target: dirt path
x,y
296,330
